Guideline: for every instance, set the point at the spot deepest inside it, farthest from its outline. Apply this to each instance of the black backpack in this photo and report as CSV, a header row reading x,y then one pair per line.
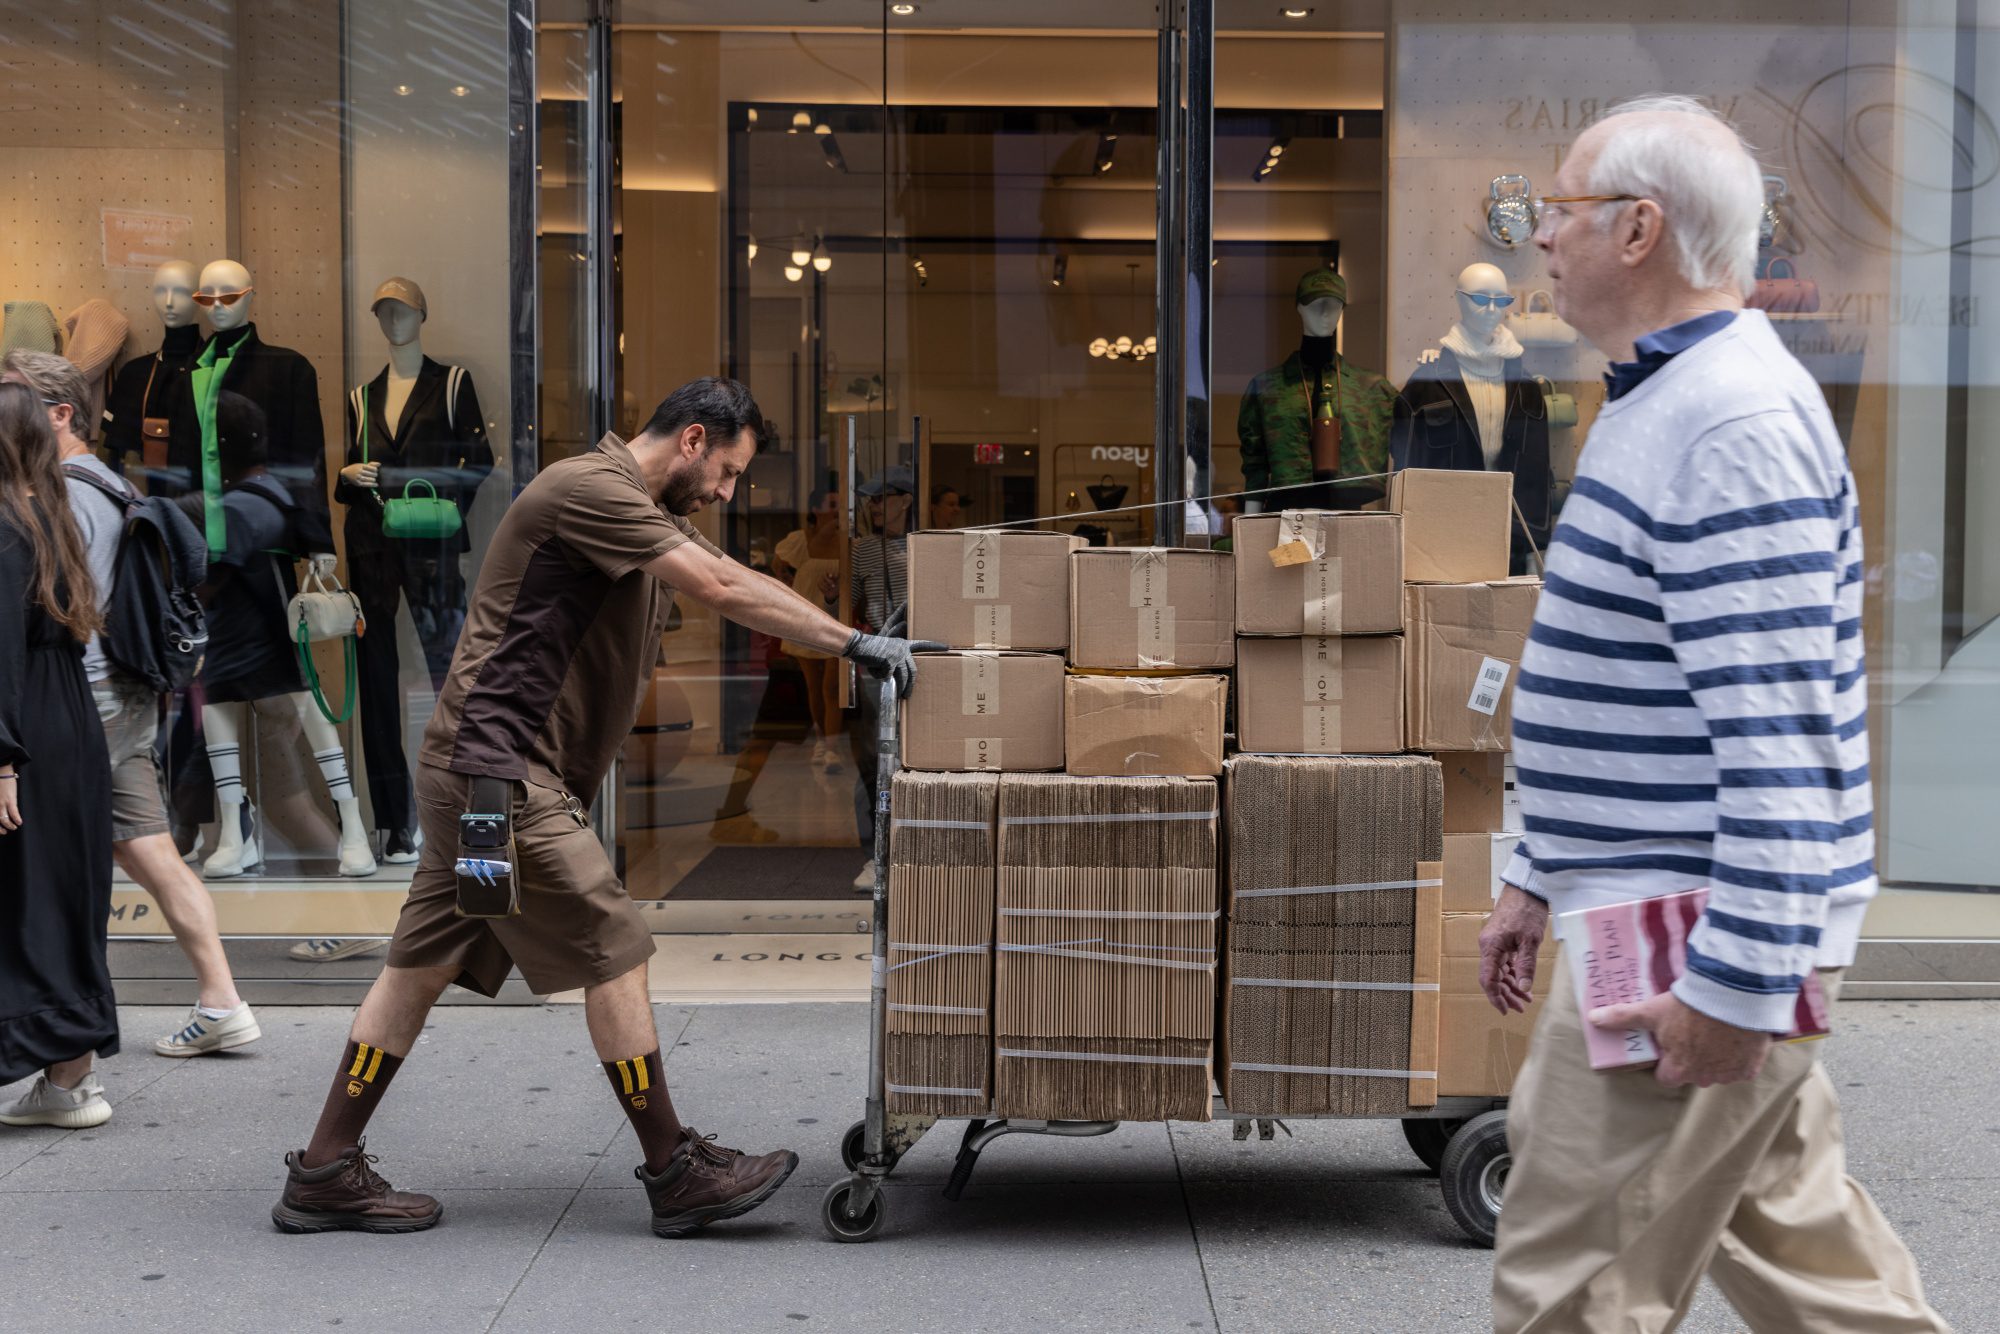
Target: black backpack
x,y
154,628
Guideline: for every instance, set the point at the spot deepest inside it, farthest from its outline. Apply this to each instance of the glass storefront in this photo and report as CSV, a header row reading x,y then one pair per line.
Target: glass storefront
x,y
980,262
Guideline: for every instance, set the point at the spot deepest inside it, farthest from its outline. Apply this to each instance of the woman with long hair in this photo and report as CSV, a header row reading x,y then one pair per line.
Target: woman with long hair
x,y
56,1007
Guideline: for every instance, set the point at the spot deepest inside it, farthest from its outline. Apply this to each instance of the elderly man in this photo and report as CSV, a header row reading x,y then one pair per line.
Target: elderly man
x,y
1691,712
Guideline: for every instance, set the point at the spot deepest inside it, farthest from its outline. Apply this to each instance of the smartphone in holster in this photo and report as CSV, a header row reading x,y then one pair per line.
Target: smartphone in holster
x,y
485,866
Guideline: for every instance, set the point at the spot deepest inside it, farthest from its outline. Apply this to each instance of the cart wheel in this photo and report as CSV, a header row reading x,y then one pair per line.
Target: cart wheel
x,y
850,1145
1427,1137
1474,1173
840,1225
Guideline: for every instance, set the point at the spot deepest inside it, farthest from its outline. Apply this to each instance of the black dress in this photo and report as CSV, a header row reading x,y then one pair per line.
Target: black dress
x,y
55,870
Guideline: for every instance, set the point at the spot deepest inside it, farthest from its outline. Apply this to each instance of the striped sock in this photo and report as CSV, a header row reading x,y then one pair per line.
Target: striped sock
x,y
226,766
359,1083
642,1092
333,768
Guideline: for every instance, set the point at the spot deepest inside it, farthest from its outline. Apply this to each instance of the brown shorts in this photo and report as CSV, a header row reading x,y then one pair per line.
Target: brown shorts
x,y
130,712
576,927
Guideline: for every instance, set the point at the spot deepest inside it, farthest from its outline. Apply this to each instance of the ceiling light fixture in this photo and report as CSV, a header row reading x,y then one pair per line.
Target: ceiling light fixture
x,y
1062,271
801,120
1107,148
1291,12
750,250
1123,348
1273,155
923,273
751,115
801,253
831,147
903,11
793,273
821,260
402,90
459,90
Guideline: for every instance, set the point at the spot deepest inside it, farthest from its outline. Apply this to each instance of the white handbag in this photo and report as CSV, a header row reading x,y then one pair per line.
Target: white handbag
x,y
323,609
1541,328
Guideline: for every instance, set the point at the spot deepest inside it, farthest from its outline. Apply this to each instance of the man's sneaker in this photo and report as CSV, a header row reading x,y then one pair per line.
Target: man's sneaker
x,y
201,1035
402,847
346,1196
706,1183
326,951
71,1109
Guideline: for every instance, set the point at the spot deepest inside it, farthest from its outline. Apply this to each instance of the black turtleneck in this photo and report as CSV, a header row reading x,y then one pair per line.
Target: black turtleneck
x,y
1315,354
182,344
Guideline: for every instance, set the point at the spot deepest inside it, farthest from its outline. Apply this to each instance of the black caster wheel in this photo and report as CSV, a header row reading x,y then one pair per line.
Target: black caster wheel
x,y
852,1147
1474,1175
840,1226
1427,1137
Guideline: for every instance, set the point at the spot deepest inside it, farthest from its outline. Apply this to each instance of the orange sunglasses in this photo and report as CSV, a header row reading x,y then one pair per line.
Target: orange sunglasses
x,y
221,298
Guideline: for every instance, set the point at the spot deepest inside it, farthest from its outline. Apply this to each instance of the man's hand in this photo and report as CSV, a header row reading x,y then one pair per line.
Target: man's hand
x,y
1508,947
10,802
1694,1049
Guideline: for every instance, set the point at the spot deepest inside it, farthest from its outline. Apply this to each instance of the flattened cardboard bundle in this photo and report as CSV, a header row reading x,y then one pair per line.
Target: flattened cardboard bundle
x,y
984,710
1144,726
1465,643
1456,525
1320,696
1104,973
1319,572
1332,981
988,588
1144,608
1480,1050
1472,867
939,970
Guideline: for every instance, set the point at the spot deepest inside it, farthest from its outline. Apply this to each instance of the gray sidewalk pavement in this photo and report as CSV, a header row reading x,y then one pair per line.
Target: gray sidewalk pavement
x,y
160,1218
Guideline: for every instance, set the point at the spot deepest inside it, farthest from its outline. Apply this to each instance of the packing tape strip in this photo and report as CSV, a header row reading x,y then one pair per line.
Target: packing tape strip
x,y
1342,1070
1328,986
1338,889
978,1010
1131,818
1117,1058
938,1092
900,823
1095,956
1109,914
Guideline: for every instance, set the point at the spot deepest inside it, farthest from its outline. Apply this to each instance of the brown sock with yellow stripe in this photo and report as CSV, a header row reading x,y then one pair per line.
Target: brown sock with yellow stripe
x,y
643,1094
363,1076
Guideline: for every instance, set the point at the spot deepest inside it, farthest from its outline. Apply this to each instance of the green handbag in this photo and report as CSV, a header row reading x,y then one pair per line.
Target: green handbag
x,y
412,516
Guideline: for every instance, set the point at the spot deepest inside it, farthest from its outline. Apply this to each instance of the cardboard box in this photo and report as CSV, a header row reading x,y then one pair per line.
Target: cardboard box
x,y
1465,644
1134,608
1319,572
988,588
1481,1050
1472,867
984,710
1144,726
1475,791
1320,696
943,848
1457,526
1104,976
1333,933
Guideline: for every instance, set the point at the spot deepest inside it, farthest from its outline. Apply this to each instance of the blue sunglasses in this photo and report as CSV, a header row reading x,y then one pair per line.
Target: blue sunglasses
x,y
1481,300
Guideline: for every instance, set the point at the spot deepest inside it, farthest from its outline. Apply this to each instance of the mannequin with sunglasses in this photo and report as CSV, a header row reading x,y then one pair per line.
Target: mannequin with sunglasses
x,y
1474,409
1316,417
414,433
145,388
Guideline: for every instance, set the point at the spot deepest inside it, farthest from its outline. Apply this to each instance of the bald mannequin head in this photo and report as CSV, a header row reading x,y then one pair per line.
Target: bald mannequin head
x,y
1480,320
173,293
221,278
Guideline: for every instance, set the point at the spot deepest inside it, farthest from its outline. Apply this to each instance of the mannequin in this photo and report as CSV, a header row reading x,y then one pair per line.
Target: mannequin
x,y
251,656
422,424
1470,406
1354,409
146,387
279,381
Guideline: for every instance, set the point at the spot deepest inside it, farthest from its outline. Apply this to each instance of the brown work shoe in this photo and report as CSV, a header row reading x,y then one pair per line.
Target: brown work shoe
x,y
706,1183
346,1195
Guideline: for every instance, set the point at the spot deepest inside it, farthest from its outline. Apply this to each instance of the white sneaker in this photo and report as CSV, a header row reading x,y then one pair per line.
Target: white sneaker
x,y
326,951
222,865
71,1109
830,760
865,882
201,1034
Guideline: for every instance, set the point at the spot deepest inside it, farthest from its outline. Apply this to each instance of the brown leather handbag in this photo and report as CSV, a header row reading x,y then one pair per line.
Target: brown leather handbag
x,y
152,430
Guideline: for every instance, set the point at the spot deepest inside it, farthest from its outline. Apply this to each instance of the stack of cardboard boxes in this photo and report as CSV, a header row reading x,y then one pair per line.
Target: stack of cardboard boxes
x,y
1056,924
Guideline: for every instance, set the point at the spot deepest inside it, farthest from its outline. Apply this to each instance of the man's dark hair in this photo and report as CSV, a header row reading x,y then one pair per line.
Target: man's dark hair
x,y
938,493
723,407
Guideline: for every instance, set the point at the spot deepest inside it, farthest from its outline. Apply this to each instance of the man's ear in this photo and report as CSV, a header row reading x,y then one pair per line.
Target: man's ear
x,y
1641,233
693,438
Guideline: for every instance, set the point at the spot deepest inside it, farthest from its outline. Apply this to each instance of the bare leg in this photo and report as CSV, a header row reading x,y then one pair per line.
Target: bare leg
x,y
815,672
68,1074
620,1016
393,1012
156,865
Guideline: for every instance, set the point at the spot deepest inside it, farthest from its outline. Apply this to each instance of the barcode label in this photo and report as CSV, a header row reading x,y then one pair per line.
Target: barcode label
x,y
1489,686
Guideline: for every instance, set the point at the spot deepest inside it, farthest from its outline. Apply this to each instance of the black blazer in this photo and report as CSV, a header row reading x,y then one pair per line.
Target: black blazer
x,y
443,443
1436,427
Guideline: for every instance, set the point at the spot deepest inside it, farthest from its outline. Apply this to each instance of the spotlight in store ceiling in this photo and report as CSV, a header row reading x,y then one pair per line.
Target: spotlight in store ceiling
x,y
820,259
402,90
751,115
1107,148
801,120
793,273
459,90
831,147
821,127
801,254
923,273
902,11
1272,156
750,250
1296,12
1062,271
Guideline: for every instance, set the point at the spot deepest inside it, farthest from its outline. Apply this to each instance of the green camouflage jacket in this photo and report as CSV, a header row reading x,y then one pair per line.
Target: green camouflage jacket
x,y
1274,425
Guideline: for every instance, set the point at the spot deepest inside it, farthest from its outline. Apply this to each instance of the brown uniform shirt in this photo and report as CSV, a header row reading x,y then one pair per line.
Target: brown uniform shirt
x,y
563,629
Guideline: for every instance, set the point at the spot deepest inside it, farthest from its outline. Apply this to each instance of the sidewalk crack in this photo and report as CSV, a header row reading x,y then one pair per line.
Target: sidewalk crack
x,y
1194,1233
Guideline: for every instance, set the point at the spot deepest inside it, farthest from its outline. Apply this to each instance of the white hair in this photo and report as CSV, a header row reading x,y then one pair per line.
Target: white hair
x,y
1712,195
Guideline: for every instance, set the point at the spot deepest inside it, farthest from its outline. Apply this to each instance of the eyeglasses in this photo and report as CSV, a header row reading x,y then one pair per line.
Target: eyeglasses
x,y
1542,204
221,298
1483,301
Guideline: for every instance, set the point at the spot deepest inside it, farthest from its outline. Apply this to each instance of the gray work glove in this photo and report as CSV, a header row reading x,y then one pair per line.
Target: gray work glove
x,y
889,654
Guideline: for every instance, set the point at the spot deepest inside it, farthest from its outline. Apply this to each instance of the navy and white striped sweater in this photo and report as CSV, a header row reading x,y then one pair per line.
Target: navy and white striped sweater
x,y
1692,707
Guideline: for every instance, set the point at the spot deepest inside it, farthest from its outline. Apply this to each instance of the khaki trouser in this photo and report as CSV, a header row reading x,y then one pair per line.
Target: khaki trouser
x,y
1623,1192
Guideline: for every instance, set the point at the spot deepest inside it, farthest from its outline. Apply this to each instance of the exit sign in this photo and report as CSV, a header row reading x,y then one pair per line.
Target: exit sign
x,y
989,453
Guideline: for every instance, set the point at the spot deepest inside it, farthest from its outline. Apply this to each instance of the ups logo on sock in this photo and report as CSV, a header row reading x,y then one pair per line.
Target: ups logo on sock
x,y
354,1087
639,1101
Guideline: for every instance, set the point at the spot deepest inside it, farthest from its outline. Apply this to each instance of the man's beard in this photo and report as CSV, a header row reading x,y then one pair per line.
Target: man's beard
x,y
683,494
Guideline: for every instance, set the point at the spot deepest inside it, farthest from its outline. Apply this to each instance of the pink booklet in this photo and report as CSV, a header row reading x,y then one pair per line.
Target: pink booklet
x,y
1633,951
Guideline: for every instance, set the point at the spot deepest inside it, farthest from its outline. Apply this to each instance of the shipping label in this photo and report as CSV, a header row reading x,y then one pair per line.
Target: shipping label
x,y
1489,687
981,573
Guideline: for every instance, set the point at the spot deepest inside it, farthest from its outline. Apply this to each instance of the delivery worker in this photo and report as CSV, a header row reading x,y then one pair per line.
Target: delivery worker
x,y
561,638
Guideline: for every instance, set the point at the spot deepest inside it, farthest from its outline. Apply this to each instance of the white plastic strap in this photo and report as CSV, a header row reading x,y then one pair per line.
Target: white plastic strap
x,y
1109,914
1097,956
1116,1058
1332,986
939,1092
978,1010
936,952
1337,889
901,823
1341,1070
1134,818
